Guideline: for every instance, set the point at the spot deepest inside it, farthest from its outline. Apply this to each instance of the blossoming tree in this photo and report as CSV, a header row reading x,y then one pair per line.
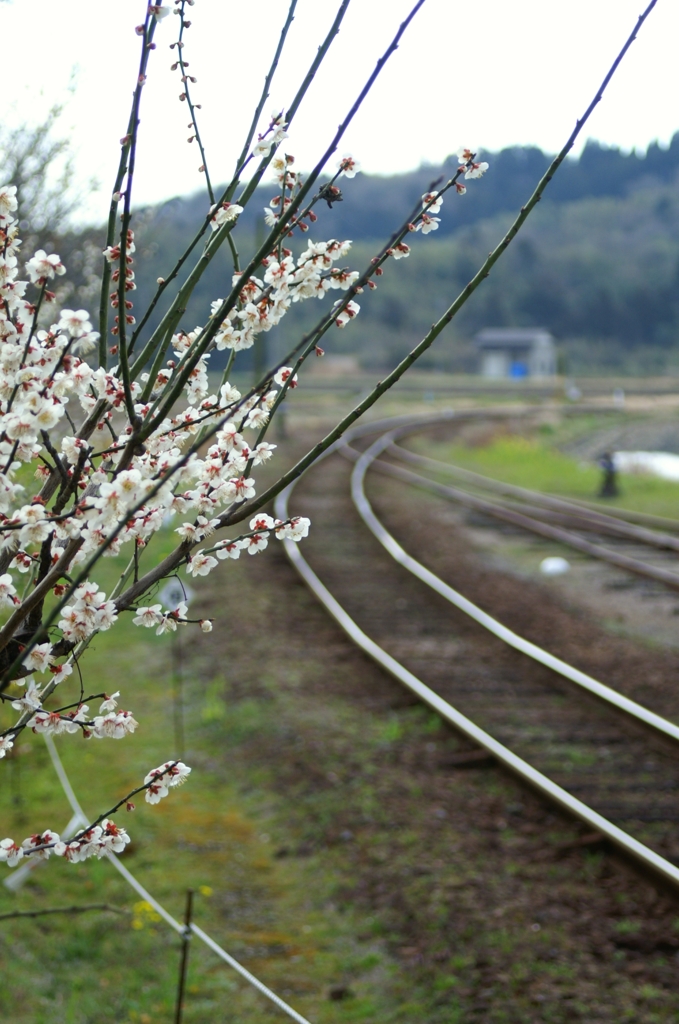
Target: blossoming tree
x,y
106,434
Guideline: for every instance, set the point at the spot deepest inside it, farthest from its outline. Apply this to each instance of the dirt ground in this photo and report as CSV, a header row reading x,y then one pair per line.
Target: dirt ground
x,y
493,906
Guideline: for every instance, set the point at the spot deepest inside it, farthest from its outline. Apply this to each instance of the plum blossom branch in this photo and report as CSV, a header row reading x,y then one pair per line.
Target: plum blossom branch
x,y
147,31
102,835
190,361
269,79
185,95
428,340
169,321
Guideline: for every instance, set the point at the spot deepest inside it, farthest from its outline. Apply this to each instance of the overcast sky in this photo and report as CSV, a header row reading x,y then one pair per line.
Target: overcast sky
x,y
485,74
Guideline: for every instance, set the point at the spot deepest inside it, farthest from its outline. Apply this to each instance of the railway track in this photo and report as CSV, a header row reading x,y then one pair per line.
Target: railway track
x,y
613,763
550,511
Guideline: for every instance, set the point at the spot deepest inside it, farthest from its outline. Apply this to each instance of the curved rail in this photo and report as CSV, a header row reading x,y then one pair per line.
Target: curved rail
x,y
519,643
633,565
642,854
611,520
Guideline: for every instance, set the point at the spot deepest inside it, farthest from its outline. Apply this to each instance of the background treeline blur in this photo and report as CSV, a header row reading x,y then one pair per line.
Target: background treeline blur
x,y
598,263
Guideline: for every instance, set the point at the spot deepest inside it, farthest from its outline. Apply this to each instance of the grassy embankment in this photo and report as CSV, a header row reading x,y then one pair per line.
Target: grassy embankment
x,y
210,835
535,462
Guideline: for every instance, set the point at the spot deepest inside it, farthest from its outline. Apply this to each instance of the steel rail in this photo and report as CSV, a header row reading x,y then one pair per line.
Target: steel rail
x,y
641,854
618,700
581,520
634,565
614,517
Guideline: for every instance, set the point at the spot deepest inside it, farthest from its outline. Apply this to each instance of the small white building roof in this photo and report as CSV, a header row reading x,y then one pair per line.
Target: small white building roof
x,y
513,337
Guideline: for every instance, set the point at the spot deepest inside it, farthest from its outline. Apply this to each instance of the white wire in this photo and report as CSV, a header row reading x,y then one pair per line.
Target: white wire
x,y
145,895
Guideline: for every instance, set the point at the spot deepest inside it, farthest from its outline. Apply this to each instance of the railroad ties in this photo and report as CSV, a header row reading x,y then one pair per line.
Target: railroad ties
x,y
610,761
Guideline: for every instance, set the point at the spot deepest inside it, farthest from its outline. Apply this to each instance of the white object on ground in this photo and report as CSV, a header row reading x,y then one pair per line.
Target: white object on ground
x,y
555,565
662,464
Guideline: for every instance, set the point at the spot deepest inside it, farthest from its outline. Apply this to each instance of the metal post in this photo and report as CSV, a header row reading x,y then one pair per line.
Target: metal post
x,y
178,694
184,961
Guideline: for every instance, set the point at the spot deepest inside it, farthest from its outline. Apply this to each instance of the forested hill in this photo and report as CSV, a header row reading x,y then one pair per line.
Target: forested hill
x,y
597,263
374,205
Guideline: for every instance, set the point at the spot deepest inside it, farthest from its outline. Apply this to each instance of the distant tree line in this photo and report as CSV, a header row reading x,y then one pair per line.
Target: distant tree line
x,y
598,265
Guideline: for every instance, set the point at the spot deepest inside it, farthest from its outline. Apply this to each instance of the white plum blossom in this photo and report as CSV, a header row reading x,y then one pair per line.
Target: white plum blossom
x,y
228,549
149,616
10,852
41,267
7,591
61,672
256,543
30,699
348,313
349,166
200,564
50,723
468,164
161,780
90,612
263,145
75,322
224,214
262,522
427,224
262,452
6,744
432,200
283,375
38,659
114,725
169,622
94,842
8,203
33,844
297,529
477,170
109,703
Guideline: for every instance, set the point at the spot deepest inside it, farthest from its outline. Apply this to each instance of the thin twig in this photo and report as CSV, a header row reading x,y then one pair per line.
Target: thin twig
x,y
81,909
190,360
248,509
147,37
162,329
186,78
125,143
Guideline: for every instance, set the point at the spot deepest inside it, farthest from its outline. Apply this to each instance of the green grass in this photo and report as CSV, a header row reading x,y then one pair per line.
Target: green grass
x,y
210,835
538,465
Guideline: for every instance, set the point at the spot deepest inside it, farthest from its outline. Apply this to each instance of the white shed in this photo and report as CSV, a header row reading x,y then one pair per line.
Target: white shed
x,y
516,352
